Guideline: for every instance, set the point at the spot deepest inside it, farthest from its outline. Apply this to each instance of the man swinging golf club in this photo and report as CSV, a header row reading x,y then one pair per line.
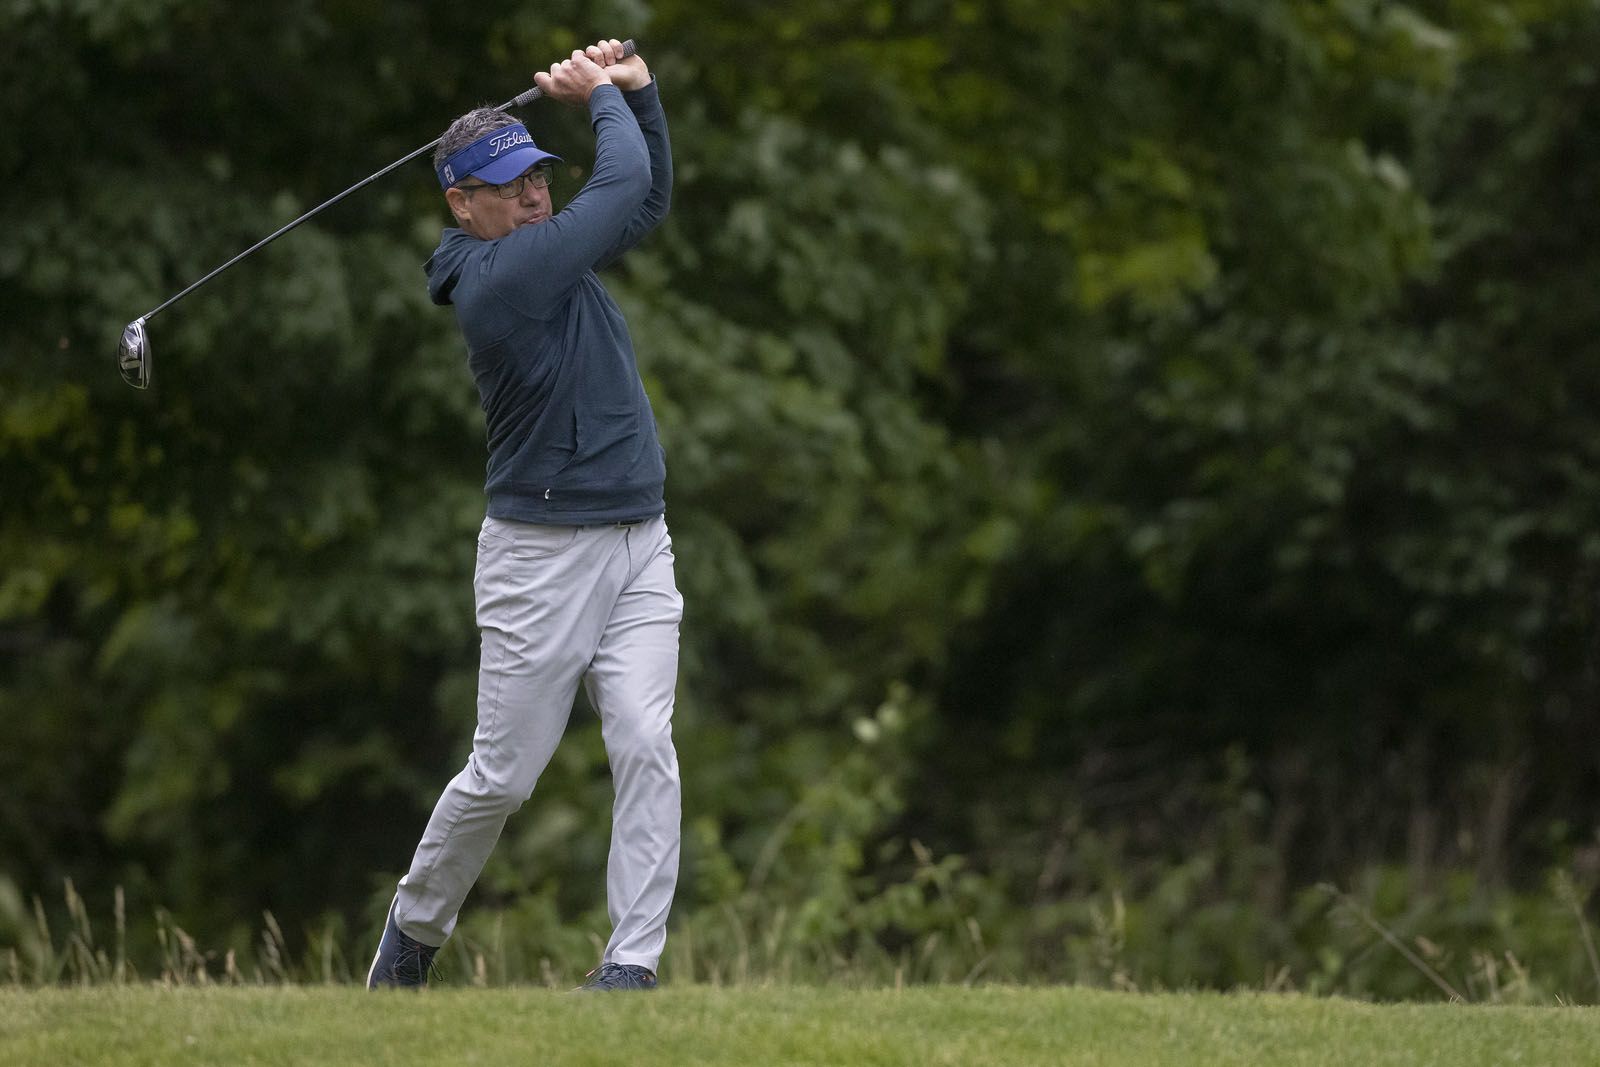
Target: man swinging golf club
x,y
574,578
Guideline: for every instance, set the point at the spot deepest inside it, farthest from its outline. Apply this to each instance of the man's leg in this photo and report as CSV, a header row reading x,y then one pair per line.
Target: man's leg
x,y
543,597
631,684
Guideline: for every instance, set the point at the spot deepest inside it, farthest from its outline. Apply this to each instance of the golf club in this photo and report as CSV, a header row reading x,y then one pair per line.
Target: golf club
x,y
133,353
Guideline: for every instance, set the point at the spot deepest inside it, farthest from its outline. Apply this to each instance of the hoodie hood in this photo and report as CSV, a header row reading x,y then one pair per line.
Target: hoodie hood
x,y
445,266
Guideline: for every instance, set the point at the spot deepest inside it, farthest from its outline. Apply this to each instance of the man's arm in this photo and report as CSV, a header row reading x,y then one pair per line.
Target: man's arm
x,y
645,103
534,266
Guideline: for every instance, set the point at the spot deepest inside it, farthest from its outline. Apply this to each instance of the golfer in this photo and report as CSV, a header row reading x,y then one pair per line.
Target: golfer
x,y
574,579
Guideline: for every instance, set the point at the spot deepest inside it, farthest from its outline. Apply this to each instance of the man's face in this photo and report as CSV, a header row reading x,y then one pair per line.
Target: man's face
x,y
486,215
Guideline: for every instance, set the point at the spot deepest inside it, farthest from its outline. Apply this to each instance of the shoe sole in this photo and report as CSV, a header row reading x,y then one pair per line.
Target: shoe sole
x,y
374,968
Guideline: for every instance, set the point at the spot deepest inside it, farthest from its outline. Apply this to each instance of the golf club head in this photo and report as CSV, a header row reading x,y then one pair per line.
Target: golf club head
x,y
133,355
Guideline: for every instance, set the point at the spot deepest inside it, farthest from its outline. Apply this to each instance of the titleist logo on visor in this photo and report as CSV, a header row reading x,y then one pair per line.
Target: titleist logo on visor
x,y
512,137
496,156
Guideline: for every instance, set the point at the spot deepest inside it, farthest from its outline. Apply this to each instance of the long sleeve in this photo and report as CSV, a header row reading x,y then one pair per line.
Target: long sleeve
x,y
533,267
646,107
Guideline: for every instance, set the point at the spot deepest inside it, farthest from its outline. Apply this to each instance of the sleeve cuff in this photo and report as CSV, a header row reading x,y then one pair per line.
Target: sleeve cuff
x,y
601,94
649,94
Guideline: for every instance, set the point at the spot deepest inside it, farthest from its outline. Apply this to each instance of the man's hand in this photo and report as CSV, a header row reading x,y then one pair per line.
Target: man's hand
x,y
626,74
572,80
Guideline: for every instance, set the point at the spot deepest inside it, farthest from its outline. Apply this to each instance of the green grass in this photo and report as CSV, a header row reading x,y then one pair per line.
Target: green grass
x,y
702,1025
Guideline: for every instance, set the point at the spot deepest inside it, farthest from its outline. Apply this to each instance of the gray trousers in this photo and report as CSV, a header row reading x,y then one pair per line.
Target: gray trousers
x,y
558,605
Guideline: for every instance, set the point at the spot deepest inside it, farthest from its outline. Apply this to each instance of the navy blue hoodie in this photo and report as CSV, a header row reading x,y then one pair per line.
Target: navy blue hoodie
x,y
572,439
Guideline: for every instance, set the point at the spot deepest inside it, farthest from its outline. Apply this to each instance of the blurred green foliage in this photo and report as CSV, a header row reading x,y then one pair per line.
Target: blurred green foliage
x,y
1068,408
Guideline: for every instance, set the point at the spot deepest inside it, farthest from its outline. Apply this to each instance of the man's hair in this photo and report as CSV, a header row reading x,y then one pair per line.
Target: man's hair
x,y
468,128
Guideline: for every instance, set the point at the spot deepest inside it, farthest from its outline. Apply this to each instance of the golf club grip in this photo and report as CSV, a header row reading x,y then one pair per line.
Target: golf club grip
x,y
524,99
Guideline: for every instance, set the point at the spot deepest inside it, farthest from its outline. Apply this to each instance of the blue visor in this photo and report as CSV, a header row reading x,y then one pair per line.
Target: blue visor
x,y
496,157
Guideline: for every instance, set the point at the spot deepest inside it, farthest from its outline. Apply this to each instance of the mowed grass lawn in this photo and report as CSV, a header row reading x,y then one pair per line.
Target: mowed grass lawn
x,y
699,1025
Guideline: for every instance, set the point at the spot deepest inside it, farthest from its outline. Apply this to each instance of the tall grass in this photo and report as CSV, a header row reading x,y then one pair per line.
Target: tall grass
x,y
1443,944
67,952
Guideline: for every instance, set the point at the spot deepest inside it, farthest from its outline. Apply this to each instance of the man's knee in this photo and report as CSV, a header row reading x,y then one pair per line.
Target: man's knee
x,y
501,787
634,745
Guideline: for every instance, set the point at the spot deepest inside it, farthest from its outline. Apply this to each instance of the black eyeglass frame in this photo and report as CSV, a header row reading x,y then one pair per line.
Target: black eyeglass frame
x,y
513,188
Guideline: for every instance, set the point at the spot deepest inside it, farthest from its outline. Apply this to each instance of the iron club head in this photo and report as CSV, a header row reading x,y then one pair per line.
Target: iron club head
x,y
133,355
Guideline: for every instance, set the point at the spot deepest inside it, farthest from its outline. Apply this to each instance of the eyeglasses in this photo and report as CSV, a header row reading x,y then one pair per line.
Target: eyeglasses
x,y
540,175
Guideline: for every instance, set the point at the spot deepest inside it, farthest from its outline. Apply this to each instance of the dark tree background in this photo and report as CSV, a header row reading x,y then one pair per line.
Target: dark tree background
x,y
1130,463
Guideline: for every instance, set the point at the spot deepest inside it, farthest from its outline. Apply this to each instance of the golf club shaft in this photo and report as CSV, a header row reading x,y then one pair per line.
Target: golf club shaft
x,y
520,100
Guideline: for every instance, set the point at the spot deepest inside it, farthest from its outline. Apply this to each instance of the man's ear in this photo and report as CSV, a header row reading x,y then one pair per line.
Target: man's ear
x,y
460,204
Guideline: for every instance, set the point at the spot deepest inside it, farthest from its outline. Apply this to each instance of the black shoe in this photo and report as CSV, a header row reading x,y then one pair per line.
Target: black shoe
x,y
610,976
401,960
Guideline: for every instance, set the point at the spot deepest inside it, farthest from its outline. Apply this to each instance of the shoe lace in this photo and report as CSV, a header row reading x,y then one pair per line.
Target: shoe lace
x,y
617,976
414,961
